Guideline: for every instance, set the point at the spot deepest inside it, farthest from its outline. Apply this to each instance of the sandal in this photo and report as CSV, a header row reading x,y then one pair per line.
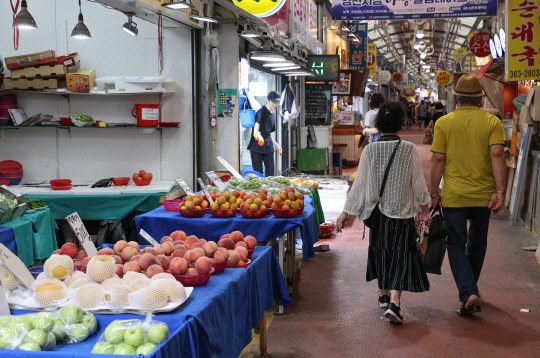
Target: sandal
x,y
464,311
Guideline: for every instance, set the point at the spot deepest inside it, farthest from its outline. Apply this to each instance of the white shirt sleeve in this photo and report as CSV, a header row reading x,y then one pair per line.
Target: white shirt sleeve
x,y
370,116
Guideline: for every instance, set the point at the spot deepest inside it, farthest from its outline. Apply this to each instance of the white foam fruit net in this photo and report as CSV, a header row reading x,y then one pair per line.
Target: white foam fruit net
x,y
8,279
116,296
132,276
49,293
151,297
58,266
140,283
162,276
113,281
80,282
42,276
88,296
36,284
174,289
101,268
75,276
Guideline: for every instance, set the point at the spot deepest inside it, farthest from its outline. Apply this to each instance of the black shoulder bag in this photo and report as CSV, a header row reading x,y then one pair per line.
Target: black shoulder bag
x,y
436,242
373,220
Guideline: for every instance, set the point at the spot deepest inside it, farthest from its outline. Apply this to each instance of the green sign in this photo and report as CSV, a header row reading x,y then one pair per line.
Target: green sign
x,y
226,102
324,68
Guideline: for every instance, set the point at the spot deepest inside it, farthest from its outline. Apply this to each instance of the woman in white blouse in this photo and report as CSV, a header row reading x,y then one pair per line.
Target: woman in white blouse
x,y
393,258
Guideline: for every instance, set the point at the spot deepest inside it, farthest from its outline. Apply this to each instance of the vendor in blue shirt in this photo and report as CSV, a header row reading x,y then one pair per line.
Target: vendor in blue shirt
x,y
262,144
377,100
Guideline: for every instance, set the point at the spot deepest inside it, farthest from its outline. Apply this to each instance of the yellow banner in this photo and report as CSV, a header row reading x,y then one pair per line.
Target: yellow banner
x,y
372,61
522,56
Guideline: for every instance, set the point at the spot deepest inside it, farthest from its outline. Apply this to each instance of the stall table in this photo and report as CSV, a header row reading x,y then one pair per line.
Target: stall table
x,y
217,320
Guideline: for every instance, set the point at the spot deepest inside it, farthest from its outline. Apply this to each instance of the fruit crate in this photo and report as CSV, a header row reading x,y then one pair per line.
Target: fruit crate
x,y
6,212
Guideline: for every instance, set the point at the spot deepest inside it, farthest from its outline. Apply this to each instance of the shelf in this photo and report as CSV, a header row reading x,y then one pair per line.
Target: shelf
x,y
68,93
94,127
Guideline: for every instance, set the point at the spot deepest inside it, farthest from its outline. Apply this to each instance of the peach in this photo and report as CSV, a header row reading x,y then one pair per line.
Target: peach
x,y
208,249
220,256
57,252
163,260
235,258
250,241
199,251
190,240
117,259
166,239
179,252
69,249
119,269
243,252
77,263
214,245
241,244
191,256
120,246
202,241
188,247
203,265
226,243
153,270
85,262
132,266
146,260
192,272
226,236
81,255
168,247
225,252
178,235
212,260
237,236
128,253
106,251
179,242
135,245
197,244
159,251
179,266
135,258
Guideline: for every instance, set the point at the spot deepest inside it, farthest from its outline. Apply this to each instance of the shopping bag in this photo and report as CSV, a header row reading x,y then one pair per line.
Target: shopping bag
x,y
428,138
435,246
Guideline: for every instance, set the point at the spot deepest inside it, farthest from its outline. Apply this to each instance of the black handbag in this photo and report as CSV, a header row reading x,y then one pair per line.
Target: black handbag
x,y
437,241
373,220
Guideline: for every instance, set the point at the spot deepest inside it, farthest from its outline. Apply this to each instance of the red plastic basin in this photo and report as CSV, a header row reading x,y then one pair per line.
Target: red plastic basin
x,y
250,253
10,167
287,213
60,182
192,280
121,181
192,213
244,265
219,266
142,182
254,214
217,213
173,205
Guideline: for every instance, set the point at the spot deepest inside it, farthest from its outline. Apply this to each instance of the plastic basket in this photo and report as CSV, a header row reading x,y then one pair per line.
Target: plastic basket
x,y
11,167
219,266
520,102
248,172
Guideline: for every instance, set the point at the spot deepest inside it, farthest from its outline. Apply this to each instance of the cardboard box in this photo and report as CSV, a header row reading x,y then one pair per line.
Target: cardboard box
x,y
533,103
33,59
30,84
82,80
39,71
69,61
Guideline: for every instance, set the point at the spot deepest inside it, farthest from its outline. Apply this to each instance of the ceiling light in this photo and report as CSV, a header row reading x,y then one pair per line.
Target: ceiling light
x,y
130,27
369,80
80,31
417,46
25,20
267,56
419,34
204,19
432,74
286,68
279,64
178,5
423,55
249,32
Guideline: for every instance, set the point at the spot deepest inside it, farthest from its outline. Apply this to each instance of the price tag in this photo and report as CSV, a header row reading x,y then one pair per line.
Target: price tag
x,y
229,168
205,191
217,180
75,221
185,187
15,265
148,238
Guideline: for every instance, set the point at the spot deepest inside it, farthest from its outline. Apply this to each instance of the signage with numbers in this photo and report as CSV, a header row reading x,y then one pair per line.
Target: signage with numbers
x,y
324,68
185,187
205,191
149,238
77,225
216,179
479,44
229,167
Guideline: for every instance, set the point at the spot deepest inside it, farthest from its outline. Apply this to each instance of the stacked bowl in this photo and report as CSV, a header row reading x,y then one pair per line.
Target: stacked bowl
x,y
7,102
12,171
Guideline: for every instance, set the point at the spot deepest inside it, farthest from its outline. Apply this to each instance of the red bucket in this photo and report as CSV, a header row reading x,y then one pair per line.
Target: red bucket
x,y
147,114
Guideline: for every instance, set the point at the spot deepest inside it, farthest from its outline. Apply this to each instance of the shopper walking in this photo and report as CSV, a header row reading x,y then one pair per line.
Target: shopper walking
x,y
376,101
468,148
389,189
262,146
421,111
410,114
436,115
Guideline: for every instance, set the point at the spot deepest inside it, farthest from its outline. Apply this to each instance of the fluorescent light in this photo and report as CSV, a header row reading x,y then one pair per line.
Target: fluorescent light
x,y
279,64
204,18
249,34
298,73
286,68
267,56
24,19
178,5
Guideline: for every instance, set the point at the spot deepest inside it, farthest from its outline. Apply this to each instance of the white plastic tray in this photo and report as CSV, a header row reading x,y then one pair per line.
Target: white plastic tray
x,y
153,187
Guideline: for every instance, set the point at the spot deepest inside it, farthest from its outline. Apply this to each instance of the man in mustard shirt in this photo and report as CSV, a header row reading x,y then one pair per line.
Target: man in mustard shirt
x,y
468,148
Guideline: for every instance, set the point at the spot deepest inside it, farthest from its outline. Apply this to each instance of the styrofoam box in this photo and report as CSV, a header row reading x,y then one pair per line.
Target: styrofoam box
x,y
124,84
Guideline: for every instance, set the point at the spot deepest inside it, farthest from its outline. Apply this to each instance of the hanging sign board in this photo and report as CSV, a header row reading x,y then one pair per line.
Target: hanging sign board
x,y
300,21
372,61
479,44
217,180
323,67
468,64
385,77
149,238
15,265
522,59
74,220
343,86
260,8
443,78
357,46
185,187
459,54
351,10
229,167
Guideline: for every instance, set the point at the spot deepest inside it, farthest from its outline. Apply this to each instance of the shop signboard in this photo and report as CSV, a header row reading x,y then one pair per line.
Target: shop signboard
x,y
385,77
522,59
372,61
471,34
351,10
226,102
459,54
280,19
357,46
468,64
318,104
443,78
300,22
324,68
479,44
343,87
397,77
345,117
312,26
401,80
525,86
260,8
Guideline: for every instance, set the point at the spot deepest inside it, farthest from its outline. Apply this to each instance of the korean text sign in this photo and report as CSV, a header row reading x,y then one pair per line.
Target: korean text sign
x,y
522,57
357,46
411,9
372,61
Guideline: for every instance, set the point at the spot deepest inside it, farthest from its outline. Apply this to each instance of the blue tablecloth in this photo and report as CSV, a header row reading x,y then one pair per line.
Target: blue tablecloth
x,y
8,239
160,222
216,320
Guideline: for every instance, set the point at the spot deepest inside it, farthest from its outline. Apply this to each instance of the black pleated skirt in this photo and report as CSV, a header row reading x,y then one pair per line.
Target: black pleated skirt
x,y
393,258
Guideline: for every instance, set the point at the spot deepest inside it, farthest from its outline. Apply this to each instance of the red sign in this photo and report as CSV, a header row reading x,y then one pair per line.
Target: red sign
x,y
397,77
479,44
370,59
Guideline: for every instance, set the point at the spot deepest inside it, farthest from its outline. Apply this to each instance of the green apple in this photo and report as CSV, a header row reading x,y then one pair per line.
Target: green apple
x,y
158,334
51,342
23,322
146,340
29,346
103,348
5,321
8,335
71,314
78,333
134,336
146,349
58,331
90,321
36,335
42,321
124,349
114,333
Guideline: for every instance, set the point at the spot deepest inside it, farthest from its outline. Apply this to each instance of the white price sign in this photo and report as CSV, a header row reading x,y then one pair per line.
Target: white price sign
x,y
229,168
76,223
217,180
205,191
148,238
15,265
185,187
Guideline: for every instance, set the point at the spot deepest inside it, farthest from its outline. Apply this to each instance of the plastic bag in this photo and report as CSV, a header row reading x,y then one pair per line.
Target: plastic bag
x,y
42,331
132,337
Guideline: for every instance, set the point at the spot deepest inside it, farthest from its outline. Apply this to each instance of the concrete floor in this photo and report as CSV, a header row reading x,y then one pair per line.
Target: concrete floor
x,y
335,313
